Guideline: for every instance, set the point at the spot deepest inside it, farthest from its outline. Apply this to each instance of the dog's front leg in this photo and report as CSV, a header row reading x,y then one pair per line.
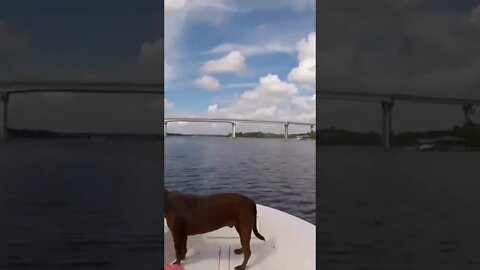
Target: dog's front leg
x,y
184,248
179,242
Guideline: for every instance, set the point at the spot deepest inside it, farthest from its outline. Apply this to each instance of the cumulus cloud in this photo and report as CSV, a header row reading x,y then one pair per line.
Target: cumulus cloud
x,y
212,108
304,73
271,99
174,4
208,83
234,62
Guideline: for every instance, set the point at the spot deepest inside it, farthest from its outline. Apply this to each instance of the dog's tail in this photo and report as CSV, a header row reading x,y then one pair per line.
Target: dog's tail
x,y
255,231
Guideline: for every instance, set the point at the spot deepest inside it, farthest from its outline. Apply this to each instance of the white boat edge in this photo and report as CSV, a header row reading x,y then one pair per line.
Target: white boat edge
x,y
290,244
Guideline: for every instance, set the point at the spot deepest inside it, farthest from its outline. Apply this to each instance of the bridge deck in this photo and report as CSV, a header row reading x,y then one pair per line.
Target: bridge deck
x,y
234,120
80,87
364,96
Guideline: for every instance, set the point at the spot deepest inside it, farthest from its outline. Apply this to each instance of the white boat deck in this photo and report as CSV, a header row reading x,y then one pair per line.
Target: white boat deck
x,y
290,244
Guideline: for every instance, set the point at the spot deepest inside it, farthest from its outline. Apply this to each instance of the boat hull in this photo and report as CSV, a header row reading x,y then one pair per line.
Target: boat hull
x,y
290,244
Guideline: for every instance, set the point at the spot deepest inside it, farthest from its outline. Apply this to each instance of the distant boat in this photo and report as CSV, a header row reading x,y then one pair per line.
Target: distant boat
x,y
448,143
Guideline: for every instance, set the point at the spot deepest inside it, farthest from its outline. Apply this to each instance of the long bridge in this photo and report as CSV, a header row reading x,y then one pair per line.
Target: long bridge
x,y
233,122
387,102
8,89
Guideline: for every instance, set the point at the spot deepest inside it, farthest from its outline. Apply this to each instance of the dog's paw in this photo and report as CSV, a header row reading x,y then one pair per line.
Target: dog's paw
x,y
173,267
239,267
238,251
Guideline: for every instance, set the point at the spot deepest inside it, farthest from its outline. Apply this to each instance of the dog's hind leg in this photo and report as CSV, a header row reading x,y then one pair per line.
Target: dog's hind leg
x,y
245,235
179,234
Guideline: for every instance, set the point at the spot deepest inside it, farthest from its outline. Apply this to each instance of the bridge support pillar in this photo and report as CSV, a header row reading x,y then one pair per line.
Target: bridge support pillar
x,y
387,123
312,128
467,109
233,129
165,129
286,131
4,98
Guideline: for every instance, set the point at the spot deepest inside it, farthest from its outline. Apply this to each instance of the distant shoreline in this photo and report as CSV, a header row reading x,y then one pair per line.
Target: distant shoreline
x,y
327,136
47,134
256,135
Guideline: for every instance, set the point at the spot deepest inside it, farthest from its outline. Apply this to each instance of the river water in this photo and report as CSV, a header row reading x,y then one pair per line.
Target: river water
x,y
75,204
273,172
397,210
78,204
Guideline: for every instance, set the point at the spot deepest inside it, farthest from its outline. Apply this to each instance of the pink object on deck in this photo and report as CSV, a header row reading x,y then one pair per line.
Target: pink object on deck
x,y
173,267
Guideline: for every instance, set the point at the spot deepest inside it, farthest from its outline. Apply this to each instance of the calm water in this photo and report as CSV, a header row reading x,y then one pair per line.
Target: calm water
x,y
273,172
398,210
81,205
90,205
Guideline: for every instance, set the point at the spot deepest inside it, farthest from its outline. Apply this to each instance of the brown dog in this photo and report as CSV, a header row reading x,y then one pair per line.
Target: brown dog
x,y
190,215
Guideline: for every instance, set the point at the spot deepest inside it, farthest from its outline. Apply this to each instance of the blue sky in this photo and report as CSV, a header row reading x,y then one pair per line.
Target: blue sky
x,y
263,39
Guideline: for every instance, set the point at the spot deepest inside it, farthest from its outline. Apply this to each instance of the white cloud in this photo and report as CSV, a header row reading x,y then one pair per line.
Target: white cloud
x,y
306,47
266,112
292,107
253,49
174,4
212,108
169,73
271,99
304,73
168,105
234,62
208,83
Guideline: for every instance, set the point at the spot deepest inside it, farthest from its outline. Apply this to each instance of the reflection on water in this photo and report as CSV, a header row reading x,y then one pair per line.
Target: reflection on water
x,y
80,205
398,210
273,172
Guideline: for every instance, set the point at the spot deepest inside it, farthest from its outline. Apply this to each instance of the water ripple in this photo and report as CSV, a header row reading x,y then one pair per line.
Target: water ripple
x,y
276,173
